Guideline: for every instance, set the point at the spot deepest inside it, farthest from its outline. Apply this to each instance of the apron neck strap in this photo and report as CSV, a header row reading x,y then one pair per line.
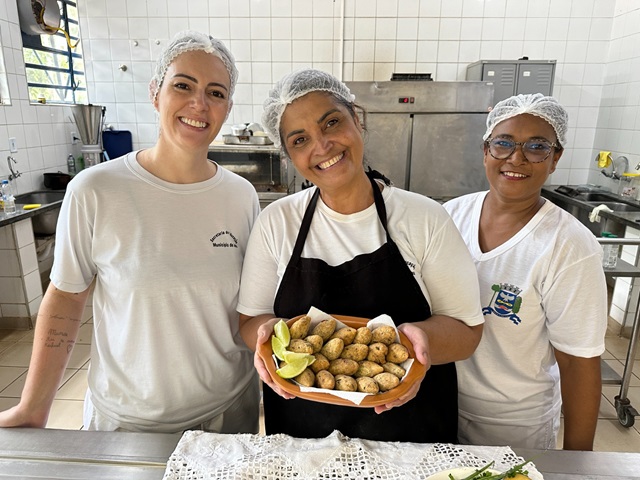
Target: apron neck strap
x,y
308,216
306,224
379,201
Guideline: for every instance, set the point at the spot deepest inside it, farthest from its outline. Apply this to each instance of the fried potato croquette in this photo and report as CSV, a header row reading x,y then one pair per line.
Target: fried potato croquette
x,y
355,351
397,353
325,329
343,366
306,378
346,358
347,334
301,346
367,385
346,383
390,367
363,336
315,341
386,381
384,334
378,353
300,327
324,379
333,348
321,363
368,369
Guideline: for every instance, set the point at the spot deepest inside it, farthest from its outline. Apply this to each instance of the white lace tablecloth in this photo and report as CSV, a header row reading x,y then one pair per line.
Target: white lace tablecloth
x,y
201,456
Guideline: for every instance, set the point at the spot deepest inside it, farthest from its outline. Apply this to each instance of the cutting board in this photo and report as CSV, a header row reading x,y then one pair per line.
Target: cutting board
x,y
117,142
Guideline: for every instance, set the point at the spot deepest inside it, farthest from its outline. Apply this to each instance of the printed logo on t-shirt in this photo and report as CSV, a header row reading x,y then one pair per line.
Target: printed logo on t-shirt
x,y
224,239
412,267
505,302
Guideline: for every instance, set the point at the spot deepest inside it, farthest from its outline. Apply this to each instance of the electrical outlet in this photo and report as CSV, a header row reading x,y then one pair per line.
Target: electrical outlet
x,y
13,145
74,138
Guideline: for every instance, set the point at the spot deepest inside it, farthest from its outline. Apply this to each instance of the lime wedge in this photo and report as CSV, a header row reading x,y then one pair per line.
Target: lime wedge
x,y
282,332
295,367
278,347
291,357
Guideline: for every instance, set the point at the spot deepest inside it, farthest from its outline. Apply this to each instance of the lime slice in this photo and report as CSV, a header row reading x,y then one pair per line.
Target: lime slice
x,y
282,332
295,367
278,347
291,357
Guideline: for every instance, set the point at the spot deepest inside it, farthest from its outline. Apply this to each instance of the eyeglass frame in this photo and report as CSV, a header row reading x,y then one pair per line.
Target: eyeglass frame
x,y
487,142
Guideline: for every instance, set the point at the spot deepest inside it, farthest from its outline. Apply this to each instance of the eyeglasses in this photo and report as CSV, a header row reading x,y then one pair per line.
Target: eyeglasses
x,y
534,151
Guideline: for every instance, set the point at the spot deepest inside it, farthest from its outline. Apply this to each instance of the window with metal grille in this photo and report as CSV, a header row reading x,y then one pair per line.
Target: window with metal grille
x,y
53,62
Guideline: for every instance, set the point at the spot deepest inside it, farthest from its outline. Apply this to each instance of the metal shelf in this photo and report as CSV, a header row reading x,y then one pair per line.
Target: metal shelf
x,y
625,411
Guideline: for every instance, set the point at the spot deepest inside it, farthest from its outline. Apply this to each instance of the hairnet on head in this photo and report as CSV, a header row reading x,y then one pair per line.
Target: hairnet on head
x,y
536,104
293,86
190,41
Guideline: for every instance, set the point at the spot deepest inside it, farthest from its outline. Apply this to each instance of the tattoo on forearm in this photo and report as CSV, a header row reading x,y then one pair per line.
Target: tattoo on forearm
x,y
63,318
58,339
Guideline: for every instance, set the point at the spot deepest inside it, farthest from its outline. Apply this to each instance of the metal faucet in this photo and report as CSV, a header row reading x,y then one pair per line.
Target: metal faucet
x,y
12,175
618,170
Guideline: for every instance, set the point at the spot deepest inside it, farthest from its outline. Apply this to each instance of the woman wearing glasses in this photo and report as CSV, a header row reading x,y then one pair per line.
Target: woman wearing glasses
x,y
542,288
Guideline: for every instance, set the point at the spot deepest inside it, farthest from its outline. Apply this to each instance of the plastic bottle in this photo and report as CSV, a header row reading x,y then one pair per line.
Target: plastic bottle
x,y
8,200
610,252
71,164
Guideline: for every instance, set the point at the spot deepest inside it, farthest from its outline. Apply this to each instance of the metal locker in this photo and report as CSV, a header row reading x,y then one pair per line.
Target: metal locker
x,y
511,77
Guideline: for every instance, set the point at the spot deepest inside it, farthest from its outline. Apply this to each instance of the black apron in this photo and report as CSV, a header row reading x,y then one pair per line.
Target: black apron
x,y
367,286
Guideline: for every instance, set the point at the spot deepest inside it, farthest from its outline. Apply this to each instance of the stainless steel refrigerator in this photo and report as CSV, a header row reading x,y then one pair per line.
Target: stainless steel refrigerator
x,y
426,136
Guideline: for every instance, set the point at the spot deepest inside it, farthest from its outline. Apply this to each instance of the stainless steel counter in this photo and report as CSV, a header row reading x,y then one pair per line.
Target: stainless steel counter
x,y
631,219
230,148
64,454
22,214
567,465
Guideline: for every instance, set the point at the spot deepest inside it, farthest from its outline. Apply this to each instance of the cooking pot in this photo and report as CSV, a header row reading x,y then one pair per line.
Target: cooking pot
x,y
56,181
245,129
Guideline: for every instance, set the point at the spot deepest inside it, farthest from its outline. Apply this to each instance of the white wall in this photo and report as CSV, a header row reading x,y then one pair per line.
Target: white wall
x,y
618,122
42,132
592,41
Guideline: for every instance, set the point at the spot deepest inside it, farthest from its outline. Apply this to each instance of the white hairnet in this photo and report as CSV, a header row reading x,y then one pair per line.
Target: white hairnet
x,y
536,104
293,86
189,41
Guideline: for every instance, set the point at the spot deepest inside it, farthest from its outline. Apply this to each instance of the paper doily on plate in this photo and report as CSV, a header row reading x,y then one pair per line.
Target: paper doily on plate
x,y
208,456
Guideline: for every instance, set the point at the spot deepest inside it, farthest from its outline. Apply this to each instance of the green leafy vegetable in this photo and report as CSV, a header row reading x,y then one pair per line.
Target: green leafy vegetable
x,y
483,474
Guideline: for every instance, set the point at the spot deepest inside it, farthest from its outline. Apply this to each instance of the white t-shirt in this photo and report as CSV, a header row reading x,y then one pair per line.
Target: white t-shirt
x,y
543,288
167,258
425,235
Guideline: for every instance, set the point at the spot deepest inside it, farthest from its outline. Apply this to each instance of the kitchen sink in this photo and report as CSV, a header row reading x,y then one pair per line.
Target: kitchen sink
x,y
580,203
616,206
598,197
42,197
43,223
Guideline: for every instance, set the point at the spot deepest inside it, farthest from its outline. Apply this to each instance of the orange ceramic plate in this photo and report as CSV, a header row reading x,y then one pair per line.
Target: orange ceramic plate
x,y
416,372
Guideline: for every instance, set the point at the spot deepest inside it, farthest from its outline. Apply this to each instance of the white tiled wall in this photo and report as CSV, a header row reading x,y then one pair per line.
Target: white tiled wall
x,y
20,284
618,121
42,132
594,43
356,40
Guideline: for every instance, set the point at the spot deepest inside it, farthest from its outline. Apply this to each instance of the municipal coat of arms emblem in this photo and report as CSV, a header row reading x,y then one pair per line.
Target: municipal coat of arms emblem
x,y
505,302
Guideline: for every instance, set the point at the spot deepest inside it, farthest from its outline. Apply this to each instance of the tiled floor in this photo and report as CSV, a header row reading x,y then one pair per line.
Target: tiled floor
x,y
15,351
